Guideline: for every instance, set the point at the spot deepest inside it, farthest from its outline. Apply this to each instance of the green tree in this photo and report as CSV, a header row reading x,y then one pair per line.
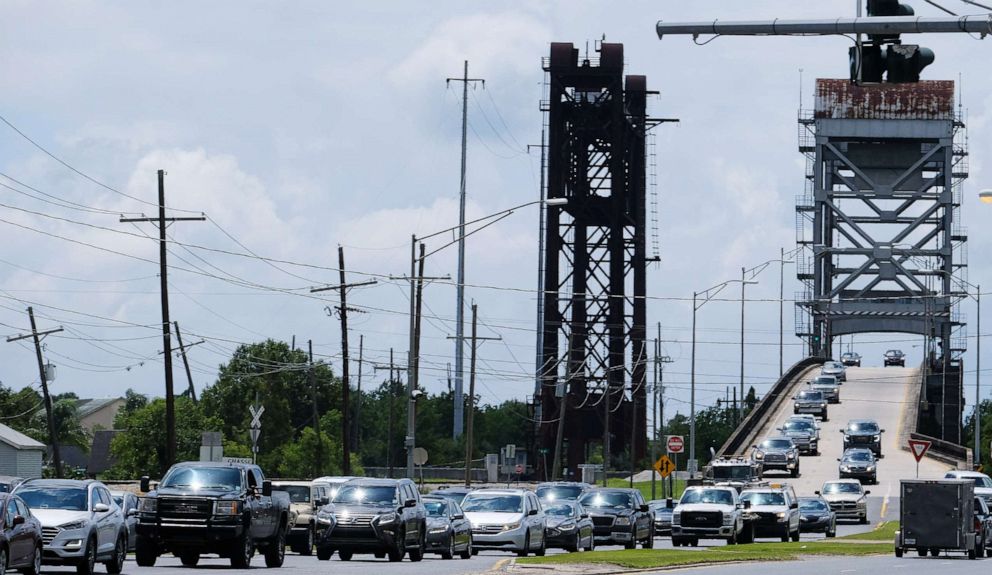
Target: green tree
x,y
140,449
19,409
985,409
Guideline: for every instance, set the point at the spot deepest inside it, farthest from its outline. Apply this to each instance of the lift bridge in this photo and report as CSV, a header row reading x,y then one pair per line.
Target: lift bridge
x,y
879,218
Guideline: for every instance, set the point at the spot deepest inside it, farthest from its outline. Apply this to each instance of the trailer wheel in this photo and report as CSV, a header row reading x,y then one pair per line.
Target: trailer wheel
x,y
921,551
898,552
971,554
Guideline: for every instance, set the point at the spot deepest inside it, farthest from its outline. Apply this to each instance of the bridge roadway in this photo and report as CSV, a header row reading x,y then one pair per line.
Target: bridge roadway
x,y
879,393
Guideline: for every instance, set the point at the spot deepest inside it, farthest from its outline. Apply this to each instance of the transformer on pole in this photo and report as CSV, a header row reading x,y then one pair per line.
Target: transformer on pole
x,y
594,357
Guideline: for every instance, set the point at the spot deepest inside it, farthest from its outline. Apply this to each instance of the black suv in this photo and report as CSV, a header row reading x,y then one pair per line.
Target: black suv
x,y
863,433
380,516
620,516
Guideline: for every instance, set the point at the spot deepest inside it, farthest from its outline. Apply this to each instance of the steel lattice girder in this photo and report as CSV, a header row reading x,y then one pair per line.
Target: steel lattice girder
x,y
594,320
884,208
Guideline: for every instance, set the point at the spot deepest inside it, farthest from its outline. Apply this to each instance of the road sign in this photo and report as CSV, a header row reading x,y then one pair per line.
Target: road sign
x,y
255,432
419,456
511,451
519,469
676,444
664,466
919,448
256,415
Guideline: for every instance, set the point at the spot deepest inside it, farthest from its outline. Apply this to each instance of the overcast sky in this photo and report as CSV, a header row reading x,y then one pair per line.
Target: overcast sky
x,y
296,127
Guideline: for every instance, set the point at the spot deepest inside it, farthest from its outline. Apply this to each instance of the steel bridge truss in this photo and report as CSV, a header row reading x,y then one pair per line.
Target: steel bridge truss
x,y
593,354
879,217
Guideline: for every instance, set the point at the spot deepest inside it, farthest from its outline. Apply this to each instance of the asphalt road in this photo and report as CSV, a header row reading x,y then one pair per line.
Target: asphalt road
x,y
851,566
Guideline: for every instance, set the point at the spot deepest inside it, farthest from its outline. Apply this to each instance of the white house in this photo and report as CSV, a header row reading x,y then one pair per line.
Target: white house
x,y
20,455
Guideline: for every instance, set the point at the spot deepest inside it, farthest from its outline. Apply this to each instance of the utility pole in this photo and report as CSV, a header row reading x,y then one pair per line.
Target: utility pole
x,y
358,398
460,288
659,404
37,336
319,455
170,400
471,393
182,349
392,403
538,366
740,412
343,310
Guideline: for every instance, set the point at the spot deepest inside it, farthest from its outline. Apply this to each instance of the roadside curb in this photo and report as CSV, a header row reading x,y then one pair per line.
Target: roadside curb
x,y
621,571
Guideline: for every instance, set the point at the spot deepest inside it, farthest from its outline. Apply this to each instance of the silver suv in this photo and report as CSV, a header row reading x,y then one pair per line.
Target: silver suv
x,y
80,523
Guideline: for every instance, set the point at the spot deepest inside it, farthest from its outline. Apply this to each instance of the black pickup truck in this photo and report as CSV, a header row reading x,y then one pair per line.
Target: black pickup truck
x,y
226,509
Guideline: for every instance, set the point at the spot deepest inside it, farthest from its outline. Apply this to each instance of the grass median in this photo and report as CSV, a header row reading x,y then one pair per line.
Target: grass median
x,y
884,531
651,558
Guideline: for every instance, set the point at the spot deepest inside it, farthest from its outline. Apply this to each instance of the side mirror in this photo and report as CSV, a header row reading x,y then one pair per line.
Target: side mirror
x,y
145,484
868,492
838,459
267,488
747,504
532,512
410,503
584,516
669,503
840,431
131,513
18,520
644,508
816,492
458,516
795,505
101,508
881,431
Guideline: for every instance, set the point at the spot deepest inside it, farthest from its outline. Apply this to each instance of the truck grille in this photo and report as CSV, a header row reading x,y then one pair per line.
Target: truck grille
x,y
48,534
843,505
766,517
775,458
602,520
702,519
185,508
355,520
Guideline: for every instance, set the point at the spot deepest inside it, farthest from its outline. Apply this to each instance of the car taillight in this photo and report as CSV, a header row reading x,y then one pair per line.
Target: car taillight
x,y
978,524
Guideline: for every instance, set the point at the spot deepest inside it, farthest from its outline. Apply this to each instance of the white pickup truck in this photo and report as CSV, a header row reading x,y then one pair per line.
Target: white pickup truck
x,y
710,512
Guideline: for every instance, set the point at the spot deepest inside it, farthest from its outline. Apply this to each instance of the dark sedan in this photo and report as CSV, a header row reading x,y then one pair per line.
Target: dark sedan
x,y
851,359
895,357
569,527
663,509
448,532
815,516
20,536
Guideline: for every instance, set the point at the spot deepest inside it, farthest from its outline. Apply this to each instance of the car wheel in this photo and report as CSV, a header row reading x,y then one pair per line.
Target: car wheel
x,y
145,552
921,551
979,551
863,519
275,553
832,530
3,561
649,544
35,567
307,548
189,558
467,553
88,565
540,551
732,540
324,554
795,536
345,554
242,552
785,536
450,552
418,553
399,549
523,552
116,563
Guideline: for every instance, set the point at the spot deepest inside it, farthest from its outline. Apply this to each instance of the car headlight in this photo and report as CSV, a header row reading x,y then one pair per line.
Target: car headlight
x,y
780,515
437,530
511,526
759,455
387,518
804,518
622,521
227,507
567,526
870,468
728,519
845,468
325,518
677,517
73,525
792,455
876,438
147,504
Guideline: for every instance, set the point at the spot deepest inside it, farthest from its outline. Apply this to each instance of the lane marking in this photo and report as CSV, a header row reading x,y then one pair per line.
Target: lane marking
x,y
885,502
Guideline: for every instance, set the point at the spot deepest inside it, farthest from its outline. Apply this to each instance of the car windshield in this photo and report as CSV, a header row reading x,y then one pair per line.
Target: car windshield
x,y
732,472
812,505
203,478
980,480
492,503
555,492
797,425
719,496
561,510
68,498
859,456
616,500
297,493
810,395
831,381
893,352
367,494
758,498
436,508
842,488
456,496
863,427
776,444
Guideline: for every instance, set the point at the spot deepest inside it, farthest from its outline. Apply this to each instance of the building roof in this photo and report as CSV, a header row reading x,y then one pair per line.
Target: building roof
x,y
101,458
18,440
90,406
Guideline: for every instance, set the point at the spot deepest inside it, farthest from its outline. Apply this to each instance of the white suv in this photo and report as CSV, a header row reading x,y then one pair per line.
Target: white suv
x,y
506,519
80,523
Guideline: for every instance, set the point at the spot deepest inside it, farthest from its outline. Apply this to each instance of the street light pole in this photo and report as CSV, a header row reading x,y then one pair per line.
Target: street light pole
x,y
978,375
740,407
692,392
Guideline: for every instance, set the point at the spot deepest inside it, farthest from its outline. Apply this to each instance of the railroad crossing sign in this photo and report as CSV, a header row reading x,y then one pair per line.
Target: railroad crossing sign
x,y
919,448
664,466
676,444
256,415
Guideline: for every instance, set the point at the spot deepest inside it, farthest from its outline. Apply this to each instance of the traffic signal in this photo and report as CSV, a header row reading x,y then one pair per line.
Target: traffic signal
x,y
889,8
903,62
872,63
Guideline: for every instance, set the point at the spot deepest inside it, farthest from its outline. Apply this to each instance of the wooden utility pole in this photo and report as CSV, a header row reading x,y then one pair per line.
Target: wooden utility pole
x,y
342,288
49,414
170,400
182,349
358,398
469,427
319,456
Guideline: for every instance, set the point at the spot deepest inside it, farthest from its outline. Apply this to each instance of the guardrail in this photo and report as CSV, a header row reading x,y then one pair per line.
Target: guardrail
x,y
945,451
738,443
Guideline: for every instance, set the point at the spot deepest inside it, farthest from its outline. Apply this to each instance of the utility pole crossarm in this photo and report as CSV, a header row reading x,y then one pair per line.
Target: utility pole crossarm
x,y
40,334
343,286
167,220
838,26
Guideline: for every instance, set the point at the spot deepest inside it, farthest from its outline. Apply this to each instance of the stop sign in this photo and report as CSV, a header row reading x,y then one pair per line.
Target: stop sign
x,y
519,469
675,444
